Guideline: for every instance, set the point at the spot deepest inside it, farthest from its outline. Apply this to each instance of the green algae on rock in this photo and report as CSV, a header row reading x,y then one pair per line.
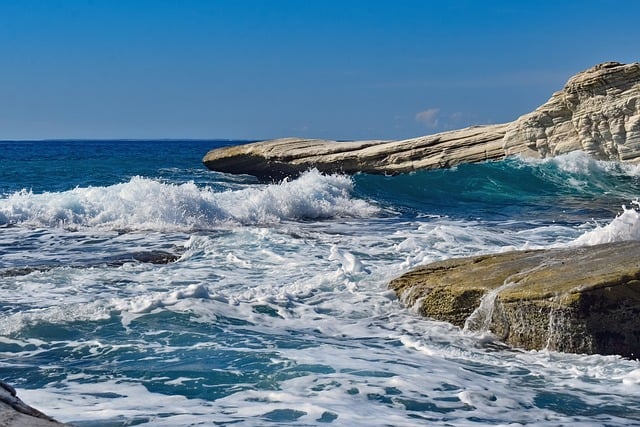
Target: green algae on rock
x,y
577,300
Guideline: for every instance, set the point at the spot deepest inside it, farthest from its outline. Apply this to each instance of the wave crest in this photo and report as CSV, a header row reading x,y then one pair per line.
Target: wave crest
x,y
625,226
147,204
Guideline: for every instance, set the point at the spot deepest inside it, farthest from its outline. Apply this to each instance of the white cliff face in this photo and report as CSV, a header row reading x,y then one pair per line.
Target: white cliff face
x,y
598,111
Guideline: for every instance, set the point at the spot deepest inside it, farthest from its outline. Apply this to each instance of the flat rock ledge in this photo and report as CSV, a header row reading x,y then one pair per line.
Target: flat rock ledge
x,y
598,111
15,413
574,300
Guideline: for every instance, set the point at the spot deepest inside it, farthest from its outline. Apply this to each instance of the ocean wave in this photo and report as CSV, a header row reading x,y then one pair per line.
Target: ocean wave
x,y
625,226
580,173
579,162
147,204
572,186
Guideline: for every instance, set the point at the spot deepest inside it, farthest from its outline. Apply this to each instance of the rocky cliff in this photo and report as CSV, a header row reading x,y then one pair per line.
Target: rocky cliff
x,y
597,111
578,300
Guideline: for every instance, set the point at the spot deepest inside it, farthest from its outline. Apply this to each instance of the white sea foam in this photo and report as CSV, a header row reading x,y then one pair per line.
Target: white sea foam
x,y
581,163
146,204
350,264
56,314
365,384
274,322
632,378
148,303
314,350
625,226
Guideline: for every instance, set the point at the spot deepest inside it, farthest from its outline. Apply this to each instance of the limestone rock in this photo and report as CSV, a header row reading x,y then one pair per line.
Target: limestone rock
x,y
15,413
276,159
578,300
597,111
279,158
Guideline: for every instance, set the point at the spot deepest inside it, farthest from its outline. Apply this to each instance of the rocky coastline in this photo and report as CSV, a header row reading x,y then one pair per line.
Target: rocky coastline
x,y
579,300
576,300
597,111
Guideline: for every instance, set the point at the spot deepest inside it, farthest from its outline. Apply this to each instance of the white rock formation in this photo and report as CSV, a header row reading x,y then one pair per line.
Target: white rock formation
x,y
598,111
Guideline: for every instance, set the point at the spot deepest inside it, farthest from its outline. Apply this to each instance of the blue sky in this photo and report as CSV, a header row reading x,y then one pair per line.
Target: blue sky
x,y
249,69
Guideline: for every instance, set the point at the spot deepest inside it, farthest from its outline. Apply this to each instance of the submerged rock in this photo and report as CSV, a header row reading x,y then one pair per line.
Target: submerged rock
x,y
597,111
15,413
575,300
148,257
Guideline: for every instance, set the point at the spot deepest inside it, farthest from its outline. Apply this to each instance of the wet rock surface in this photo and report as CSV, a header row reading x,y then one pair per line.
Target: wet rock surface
x,y
577,300
15,413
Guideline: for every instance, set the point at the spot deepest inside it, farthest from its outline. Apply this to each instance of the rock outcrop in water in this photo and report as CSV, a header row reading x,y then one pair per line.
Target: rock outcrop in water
x,y
597,111
284,157
577,300
15,413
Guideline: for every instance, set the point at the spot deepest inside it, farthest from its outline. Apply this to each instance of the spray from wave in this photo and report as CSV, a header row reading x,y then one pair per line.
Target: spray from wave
x,y
146,204
571,187
625,226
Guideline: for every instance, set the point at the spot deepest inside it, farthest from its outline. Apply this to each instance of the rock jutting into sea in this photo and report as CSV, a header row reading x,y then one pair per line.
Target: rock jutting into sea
x,y
580,300
598,111
575,300
15,413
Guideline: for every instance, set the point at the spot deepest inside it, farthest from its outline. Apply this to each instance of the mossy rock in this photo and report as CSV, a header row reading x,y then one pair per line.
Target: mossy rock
x,y
579,300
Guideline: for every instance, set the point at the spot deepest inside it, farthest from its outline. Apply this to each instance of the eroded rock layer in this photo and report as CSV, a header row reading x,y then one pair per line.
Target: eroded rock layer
x,y
598,111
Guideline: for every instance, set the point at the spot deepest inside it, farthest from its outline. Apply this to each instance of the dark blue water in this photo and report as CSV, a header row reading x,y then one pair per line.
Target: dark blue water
x,y
63,165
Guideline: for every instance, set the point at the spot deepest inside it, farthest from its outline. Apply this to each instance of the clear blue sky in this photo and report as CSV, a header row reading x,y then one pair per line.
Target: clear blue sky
x,y
245,69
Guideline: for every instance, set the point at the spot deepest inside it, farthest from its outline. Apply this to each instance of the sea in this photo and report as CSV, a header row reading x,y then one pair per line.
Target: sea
x,y
139,288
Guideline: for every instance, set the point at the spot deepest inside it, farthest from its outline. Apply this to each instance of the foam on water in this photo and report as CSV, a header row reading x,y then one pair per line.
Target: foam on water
x,y
277,310
146,204
625,226
255,326
581,163
369,379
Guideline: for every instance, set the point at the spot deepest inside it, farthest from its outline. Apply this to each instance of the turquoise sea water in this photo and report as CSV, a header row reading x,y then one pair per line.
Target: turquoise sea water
x,y
276,309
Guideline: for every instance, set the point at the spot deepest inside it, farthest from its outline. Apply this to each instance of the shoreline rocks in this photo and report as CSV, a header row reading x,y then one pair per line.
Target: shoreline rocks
x,y
598,111
15,413
574,300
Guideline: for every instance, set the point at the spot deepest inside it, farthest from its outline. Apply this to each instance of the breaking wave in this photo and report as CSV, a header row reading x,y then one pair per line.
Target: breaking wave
x,y
147,204
625,226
